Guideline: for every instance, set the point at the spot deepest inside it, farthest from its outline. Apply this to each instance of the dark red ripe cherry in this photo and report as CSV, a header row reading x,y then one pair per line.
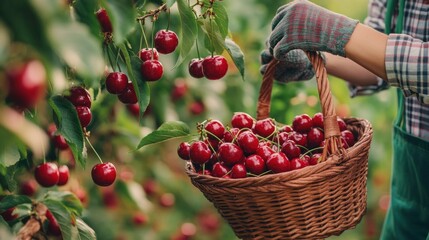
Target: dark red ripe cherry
x,y
148,54
315,137
230,153
213,143
264,151
197,107
318,120
219,170
179,90
152,70
184,150
299,138
248,141
64,175
286,128
104,20
134,109
242,120
103,174
79,96
28,187
215,67
281,138
54,227
195,68
139,219
215,129
58,140
129,95
238,171
199,152
296,163
264,127
27,83
47,174
341,124
302,123
116,82
8,214
231,134
314,159
255,164
166,41
291,149
278,162
348,136
85,115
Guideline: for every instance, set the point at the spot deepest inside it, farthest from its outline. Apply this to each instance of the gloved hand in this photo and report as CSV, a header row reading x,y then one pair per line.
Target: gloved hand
x,y
304,25
293,66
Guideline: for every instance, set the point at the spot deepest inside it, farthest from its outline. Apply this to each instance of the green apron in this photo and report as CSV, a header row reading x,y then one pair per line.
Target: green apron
x,y
408,214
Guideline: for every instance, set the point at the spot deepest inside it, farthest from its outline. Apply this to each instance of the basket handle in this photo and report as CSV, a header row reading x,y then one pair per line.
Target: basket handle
x,y
331,129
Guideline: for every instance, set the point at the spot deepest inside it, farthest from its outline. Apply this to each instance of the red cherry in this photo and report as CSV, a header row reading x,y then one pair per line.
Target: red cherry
x,y
54,227
305,160
255,164
199,152
85,115
129,95
348,136
152,70
264,127
110,198
167,200
79,96
215,129
278,162
215,67
314,159
116,82
242,120
103,174
296,163
8,214
47,174
318,120
299,139
197,107
208,221
341,124
64,175
230,153
134,109
139,219
179,90
302,123
28,187
264,151
231,134
315,137
238,171
212,143
219,170
286,128
166,41
195,68
281,138
188,231
150,187
27,83
205,172
291,149
104,20
148,54
184,150
248,141
58,140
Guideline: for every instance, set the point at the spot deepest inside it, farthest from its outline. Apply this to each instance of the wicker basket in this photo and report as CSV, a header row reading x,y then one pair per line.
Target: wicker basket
x,y
310,203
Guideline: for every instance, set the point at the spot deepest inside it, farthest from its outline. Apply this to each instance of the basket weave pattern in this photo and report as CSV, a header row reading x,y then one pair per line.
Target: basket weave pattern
x,y
310,203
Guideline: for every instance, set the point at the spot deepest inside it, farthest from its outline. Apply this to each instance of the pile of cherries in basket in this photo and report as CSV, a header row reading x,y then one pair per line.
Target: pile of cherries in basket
x,y
252,147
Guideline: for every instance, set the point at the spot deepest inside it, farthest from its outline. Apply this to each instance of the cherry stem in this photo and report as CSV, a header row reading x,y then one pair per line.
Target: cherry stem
x,y
198,50
144,36
168,21
153,13
93,149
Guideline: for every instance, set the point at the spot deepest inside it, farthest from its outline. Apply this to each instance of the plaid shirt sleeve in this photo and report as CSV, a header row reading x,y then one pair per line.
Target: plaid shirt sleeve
x,y
407,65
375,19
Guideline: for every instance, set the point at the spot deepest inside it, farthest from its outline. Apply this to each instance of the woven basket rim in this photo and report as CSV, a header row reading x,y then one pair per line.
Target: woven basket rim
x,y
331,161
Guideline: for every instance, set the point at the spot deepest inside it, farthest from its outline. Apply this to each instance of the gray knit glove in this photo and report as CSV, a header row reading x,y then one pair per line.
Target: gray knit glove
x,y
304,25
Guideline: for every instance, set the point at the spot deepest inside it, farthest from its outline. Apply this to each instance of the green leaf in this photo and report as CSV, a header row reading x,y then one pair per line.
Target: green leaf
x,y
221,18
166,131
79,49
170,3
236,54
140,85
189,30
69,126
12,201
214,42
85,231
68,199
123,18
63,217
